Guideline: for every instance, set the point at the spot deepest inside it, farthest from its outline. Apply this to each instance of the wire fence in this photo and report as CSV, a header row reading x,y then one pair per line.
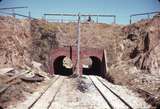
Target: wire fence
x,y
65,18
140,16
12,12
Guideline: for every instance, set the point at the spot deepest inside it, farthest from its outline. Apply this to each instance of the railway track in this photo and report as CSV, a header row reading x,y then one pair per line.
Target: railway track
x,y
52,96
45,101
42,99
112,99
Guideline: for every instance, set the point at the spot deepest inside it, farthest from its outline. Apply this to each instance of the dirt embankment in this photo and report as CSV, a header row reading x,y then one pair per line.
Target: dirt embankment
x,y
43,40
22,41
139,62
15,39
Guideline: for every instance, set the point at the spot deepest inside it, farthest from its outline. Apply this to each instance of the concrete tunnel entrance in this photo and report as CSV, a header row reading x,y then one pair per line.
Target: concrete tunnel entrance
x,y
60,68
94,68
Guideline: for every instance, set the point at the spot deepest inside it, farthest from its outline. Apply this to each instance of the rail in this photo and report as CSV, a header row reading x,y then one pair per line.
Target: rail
x,y
17,14
82,15
13,12
140,14
112,97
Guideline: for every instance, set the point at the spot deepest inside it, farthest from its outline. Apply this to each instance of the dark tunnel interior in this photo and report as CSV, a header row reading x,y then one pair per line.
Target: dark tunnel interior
x,y
95,68
59,69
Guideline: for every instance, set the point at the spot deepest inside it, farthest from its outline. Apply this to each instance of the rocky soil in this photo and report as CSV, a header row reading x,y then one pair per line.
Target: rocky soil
x,y
140,57
15,40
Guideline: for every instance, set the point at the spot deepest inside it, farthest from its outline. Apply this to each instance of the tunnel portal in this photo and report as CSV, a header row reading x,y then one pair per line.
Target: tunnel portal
x,y
57,55
59,67
94,68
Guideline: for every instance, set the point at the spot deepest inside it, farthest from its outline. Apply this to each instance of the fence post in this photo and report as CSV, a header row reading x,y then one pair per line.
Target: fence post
x,y
130,20
13,12
97,18
148,16
29,14
61,18
114,19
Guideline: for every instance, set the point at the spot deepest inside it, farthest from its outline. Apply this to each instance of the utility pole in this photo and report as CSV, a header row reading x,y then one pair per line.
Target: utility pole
x,y
78,45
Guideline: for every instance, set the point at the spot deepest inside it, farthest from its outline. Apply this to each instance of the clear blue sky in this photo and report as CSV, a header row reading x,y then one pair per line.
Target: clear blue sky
x,y
121,8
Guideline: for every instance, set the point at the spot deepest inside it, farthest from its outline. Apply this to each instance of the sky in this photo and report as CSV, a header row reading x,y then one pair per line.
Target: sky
x,y
121,8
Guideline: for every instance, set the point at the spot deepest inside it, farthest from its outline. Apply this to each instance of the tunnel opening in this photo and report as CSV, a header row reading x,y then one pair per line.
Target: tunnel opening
x,y
94,68
60,69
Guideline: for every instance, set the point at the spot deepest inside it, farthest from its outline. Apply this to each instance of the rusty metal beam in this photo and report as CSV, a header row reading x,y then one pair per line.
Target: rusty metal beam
x,y
17,14
100,15
60,15
145,13
13,8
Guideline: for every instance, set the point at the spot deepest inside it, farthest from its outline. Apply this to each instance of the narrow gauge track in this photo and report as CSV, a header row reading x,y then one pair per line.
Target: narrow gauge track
x,y
52,82
112,99
130,107
46,99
